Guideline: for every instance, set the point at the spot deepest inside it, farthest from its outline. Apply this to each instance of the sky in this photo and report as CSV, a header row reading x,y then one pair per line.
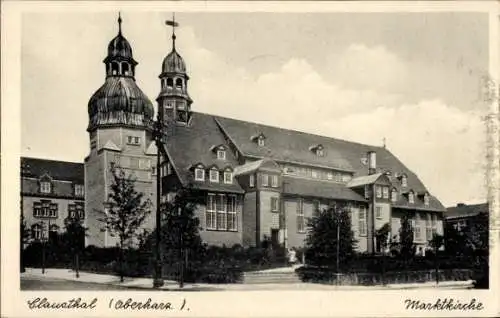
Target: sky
x,y
414,79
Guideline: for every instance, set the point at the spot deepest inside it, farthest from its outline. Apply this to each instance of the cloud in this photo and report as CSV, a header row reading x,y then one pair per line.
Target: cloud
x,y
442,144
445,146
362,67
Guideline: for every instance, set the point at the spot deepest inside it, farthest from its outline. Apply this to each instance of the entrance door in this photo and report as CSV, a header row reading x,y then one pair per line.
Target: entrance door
x,y
275,237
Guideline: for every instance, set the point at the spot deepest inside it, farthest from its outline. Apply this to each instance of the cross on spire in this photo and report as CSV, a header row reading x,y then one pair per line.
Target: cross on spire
x,y
173,24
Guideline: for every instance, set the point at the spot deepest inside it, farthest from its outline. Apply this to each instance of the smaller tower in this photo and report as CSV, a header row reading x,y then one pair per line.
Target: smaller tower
x,y
174,102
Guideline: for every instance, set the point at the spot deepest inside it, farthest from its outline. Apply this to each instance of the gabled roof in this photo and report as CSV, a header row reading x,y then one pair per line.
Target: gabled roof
x,y
110,146
466,210
256,165
151,150
57,170
319,189
364,180
188,145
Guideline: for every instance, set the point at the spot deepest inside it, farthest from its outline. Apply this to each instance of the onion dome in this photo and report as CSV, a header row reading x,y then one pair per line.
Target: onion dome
x,y
173,63
119,102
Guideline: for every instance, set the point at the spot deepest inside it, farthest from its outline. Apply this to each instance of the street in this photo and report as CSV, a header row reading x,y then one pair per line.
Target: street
x,y
59,284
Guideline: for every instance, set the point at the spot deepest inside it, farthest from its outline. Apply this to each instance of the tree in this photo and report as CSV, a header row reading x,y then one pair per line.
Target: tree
x,y
382,236
436,242
125,212
407,248
24,236
75,237
180,230
330,239
454,241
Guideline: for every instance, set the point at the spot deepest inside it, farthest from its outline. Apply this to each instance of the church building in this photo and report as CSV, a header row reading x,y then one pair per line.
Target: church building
x,y
254,182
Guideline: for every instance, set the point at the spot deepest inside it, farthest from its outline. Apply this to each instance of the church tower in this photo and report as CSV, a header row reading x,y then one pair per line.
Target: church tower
x,y
120,131
174,102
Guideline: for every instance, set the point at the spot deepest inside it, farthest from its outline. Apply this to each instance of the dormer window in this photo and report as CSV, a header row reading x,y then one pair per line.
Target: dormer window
x,y
228,176
214,175
404,180
426,199
318,150
199,173
260,139
45,187
411,197
221,154
79,190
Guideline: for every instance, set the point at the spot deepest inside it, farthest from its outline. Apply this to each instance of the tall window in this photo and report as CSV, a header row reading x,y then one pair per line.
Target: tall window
x,y
378,212
37,231
199,174
385,192
214,175
232,224
37,209
275,204
221,212
417,230
378,190
251,180
362,221
265,180
428,227
228,177
394,195
211,222
274,181
434,224
45,187
301,228
79,190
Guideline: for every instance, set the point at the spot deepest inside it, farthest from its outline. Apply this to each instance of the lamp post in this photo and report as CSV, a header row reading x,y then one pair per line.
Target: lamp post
x,y
338,245
157,134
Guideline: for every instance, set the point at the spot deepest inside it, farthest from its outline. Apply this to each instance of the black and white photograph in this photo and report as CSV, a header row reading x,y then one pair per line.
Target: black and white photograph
x,y
199,150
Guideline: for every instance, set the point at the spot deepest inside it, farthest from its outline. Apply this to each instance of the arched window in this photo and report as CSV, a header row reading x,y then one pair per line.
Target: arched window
x,y
125,68
170,83
114,68
178,83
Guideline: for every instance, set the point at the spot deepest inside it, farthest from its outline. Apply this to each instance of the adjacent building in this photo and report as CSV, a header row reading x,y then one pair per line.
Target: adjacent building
x,y
50,192
465,215
253,181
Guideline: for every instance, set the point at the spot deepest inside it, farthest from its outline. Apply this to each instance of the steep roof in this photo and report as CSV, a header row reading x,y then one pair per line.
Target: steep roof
x,y
57,170
293,146
466,210
254,165
319,189
189,145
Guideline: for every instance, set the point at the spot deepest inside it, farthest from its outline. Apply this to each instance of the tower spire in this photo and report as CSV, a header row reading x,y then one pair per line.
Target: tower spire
x,y
119,23
173,24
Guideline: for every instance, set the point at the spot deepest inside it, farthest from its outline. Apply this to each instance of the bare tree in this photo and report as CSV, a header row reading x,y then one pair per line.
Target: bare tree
x,y
125,212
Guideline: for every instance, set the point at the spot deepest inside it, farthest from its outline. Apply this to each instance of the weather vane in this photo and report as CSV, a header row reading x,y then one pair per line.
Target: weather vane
x,y
173,24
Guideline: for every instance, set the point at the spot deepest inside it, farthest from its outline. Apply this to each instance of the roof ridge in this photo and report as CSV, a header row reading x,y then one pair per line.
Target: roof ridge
x,y
47,159
291,130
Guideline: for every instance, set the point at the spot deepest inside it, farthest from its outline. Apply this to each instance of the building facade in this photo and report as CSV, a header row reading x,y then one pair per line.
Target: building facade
x,y
463,215
254,182
50,192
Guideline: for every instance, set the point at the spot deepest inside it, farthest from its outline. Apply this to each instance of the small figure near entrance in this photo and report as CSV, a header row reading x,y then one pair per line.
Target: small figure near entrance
x,y
292,256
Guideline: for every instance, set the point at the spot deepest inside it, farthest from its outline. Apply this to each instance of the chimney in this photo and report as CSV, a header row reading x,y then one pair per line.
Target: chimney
x,y
372,162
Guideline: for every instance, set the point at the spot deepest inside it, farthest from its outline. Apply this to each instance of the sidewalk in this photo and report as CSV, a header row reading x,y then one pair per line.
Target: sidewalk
x,y
147,283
